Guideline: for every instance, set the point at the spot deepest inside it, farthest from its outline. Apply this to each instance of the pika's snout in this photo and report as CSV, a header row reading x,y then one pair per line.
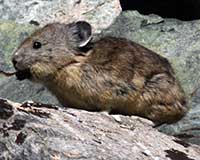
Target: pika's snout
x,y
16,60
21,73
14,63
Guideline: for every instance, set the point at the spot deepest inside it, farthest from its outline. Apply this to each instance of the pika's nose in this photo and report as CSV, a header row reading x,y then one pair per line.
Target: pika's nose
x,y
15,60
14,63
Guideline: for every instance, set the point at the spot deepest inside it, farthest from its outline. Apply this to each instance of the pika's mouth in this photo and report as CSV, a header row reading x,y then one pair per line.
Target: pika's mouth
x,y
23,74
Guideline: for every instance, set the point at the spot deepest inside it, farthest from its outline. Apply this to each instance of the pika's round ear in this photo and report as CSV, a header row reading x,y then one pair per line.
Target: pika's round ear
x,y
79,34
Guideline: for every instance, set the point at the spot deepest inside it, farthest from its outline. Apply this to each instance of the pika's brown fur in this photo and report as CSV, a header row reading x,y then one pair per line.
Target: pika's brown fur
x,y
111,74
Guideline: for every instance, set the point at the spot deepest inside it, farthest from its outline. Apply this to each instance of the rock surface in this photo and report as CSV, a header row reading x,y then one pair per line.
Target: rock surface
x,y
43,132
100,13
178,41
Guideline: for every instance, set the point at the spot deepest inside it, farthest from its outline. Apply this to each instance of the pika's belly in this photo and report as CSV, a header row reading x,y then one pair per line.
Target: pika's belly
x,y
102,101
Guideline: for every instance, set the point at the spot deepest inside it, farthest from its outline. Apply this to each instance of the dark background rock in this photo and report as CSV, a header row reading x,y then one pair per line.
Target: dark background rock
x,y
180,9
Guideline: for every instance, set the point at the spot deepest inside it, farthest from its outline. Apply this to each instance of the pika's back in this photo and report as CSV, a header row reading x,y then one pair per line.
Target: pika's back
x,y
127,58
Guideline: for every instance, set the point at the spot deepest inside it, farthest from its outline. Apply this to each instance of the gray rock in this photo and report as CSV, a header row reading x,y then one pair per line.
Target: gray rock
x,y
43,132
21,91
100,13
179,42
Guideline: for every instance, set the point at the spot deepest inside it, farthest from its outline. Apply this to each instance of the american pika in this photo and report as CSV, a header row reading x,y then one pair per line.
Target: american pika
x,y
110,74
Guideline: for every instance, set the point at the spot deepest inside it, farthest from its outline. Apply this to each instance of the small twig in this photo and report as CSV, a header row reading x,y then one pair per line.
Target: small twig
x,y
7,74
39,105
34,111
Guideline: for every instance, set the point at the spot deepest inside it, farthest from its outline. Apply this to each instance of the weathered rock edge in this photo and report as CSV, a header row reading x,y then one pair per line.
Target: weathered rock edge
x,y
100,13
33,131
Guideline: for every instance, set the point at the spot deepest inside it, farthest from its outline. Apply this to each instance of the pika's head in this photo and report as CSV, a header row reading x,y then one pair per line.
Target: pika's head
x,y
49,49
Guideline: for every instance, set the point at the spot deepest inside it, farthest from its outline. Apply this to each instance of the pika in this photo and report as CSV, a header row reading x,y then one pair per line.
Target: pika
x,y
111,74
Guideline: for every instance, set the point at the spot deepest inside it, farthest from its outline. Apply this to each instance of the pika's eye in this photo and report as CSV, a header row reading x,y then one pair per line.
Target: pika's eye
x,y
37,45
